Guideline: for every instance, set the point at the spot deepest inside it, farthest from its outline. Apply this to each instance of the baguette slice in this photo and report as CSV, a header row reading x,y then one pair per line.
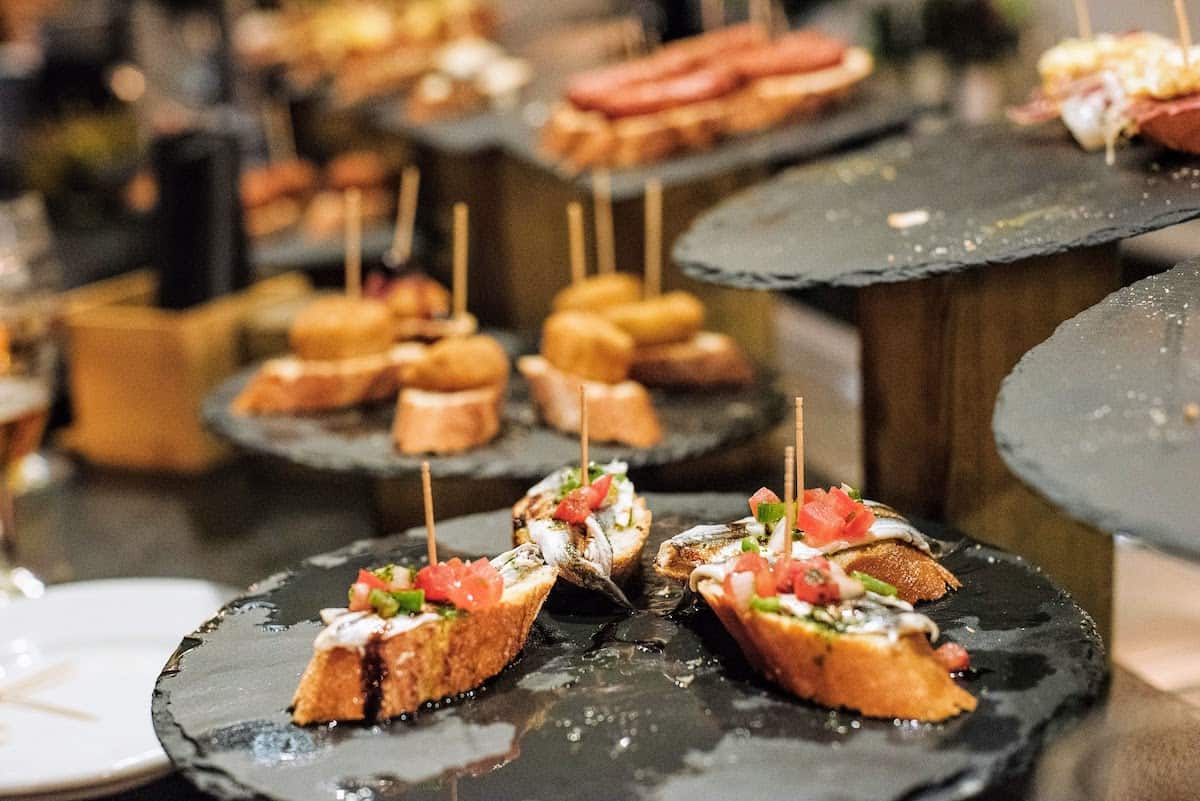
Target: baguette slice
x,y
915,575
874,674
447,422
622,412
290,385
706,360
439,658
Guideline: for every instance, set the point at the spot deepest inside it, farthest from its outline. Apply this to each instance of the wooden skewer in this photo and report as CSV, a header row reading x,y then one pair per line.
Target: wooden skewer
x,y
606,260
653,243
353,199
575,231
1084,18
406,216
712,14
789,507
461,222
1185,32
585,473
760,13
800,450
430,534
277,127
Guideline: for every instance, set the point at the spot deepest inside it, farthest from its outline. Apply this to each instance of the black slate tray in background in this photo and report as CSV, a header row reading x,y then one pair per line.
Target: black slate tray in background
x,y
995,194
359,440
1093,418
658,705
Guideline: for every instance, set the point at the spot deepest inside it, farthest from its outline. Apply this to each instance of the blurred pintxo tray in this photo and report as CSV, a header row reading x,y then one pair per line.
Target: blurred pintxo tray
x,y
359,440
1103,419
292,250
655,704
915,207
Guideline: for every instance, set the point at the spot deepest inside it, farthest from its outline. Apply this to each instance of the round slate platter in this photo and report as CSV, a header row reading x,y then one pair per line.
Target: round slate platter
x,y
993,194
1094,418
658,704
359,440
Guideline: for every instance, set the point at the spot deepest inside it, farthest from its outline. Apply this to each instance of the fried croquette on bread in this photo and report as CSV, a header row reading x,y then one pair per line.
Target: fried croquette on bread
x,y
452,365
706,360
417,295
673,317
621,412
289,385
339,327
422,657
447,422
587,346
598,292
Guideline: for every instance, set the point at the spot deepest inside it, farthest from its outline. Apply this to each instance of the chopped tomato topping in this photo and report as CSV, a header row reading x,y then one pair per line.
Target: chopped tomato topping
x,y
469,586
764,579
953,657
582,501
599,490
810,580
832,516
372,581
360,597
763,495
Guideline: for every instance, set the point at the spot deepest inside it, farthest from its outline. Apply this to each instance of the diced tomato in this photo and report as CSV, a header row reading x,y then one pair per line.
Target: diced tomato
x,y
841,503
764,579
576,507
819,522
858,523
360,595
763,495
810,580
471,587
598,491
811,495
953,657
372,581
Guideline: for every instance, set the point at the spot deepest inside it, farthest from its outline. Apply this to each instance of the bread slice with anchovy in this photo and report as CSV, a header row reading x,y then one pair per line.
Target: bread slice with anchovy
x,y
876,674
290,385
379,668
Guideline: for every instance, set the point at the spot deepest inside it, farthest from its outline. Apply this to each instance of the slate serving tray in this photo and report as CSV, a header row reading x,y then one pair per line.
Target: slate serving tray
x,y
993,194
359,440
1093,418
658,704
290,250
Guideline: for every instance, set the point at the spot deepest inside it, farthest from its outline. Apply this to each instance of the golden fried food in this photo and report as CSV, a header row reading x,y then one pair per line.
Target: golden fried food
x,y
599,292
587,346
673,317
459,363
418,295
339,327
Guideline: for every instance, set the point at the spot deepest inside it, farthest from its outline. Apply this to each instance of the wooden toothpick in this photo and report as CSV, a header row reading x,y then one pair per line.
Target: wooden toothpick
x,y
585,472
430,534
606,260
461,222
1084,19
277,126
406,216
575,232
1185,32
353,201
712,14
653,245
800,449
789,508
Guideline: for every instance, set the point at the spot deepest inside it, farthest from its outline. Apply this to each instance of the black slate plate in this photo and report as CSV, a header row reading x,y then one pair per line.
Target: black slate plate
x,y
359,440
603,705
876,109
1093,418
994,194
291,251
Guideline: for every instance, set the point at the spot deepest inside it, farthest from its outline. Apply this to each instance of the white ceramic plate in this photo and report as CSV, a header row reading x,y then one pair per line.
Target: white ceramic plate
x,y
77,669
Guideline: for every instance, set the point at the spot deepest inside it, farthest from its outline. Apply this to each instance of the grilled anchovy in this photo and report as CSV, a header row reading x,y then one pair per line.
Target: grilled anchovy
x,y
583,559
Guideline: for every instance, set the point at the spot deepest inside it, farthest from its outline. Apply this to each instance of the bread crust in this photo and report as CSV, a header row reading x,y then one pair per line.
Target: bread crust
x,y
622,412
290,385
706,360
867,673
439,659
916,575
447,422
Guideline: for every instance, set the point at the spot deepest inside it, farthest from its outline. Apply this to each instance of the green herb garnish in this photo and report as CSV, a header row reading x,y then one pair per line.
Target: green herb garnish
x,y
768,604
749,544
571,481
770,513
872,584
389,604
853,492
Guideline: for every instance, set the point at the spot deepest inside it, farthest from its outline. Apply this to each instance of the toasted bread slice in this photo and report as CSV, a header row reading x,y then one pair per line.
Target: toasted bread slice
x,y
622,412
290,385
916,575
399,668
706,360
872,673
447,422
